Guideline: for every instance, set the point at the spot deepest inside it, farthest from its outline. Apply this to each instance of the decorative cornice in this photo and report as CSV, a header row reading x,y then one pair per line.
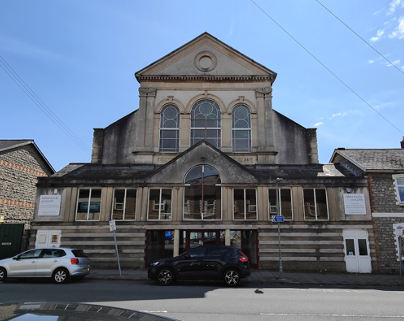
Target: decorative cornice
x,y
204,78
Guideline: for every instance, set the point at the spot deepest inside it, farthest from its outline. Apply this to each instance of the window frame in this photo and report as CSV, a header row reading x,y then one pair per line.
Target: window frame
x,y
245,205
271,213
160,203
218,138
316,205
167,129
399,184
90,189
203,204
235,129
114,203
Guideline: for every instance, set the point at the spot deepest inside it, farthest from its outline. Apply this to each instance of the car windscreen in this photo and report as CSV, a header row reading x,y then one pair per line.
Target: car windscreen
x,y
78,253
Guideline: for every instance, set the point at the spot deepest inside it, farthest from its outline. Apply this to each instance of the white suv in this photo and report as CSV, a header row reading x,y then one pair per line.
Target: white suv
x,y
58,263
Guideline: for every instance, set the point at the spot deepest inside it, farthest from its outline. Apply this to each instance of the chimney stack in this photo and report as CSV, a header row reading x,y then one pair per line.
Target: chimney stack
x,y
402,143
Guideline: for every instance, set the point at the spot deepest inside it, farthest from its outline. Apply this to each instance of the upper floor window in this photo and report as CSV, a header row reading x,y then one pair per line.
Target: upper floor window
x,y
245,204
241,129
400,190
169,129
88,204
205,122
124,204
159,204
315,204
284,202
202,199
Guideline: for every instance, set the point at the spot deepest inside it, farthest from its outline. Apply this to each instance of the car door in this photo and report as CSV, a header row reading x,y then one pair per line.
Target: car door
x,y
214,261
48,261
24,264
189,266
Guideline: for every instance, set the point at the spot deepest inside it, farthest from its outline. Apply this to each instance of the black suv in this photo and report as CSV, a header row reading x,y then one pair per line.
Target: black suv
x,y
202,263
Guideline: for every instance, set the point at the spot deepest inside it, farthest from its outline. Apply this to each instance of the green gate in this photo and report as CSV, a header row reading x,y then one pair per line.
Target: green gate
x,y
10,239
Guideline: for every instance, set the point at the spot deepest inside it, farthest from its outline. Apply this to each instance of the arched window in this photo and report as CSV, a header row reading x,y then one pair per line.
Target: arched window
x,y
169,129
241,129
202,200
205,122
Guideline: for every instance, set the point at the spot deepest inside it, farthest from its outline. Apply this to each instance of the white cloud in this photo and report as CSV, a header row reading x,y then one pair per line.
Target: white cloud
x,y
395,62
398,32
379,34
371,61
394,5
318,124
338,115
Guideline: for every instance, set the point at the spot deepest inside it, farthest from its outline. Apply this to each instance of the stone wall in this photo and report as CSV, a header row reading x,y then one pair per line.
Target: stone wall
x,y
384,195
19,169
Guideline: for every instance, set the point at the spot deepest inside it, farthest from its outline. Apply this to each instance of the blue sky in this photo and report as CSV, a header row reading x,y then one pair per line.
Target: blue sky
x,y
79,59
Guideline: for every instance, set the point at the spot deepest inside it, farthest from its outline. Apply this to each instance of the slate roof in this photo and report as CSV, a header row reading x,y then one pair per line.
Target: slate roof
x,y
373,159
8,144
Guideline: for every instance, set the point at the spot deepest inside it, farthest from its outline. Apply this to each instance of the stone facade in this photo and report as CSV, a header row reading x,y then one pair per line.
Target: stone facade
x,y
21,163
381,167
206,159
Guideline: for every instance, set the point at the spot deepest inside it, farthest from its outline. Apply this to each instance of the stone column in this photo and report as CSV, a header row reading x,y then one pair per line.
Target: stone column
x,y
265,130
144,122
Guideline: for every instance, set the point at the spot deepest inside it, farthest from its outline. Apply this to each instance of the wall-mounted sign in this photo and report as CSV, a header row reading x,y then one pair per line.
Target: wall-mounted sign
x,y
354,204
49,205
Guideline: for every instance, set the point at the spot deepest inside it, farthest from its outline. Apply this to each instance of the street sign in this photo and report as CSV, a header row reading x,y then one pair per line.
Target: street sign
x,y
112,225
278,218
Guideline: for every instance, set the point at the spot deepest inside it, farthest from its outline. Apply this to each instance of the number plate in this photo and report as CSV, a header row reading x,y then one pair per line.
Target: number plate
x,y
85,270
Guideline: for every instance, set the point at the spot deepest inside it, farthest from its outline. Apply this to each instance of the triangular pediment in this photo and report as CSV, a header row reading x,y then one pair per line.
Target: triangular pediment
x,y
203,153
206,57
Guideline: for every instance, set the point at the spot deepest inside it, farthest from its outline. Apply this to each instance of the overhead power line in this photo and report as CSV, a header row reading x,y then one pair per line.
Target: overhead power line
x,y
328,69
41,105
384,57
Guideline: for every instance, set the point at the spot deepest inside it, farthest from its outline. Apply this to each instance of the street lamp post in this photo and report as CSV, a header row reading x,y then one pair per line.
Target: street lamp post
x,y
279,229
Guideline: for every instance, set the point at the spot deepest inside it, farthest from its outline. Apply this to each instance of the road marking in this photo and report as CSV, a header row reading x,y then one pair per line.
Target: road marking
x,y
334,315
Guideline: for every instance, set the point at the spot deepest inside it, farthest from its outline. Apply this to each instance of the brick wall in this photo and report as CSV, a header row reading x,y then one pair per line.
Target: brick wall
x,y
19,169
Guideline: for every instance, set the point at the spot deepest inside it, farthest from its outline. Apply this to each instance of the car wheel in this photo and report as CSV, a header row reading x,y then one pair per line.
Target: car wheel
x,y
165,276
3,274
60,275
232,277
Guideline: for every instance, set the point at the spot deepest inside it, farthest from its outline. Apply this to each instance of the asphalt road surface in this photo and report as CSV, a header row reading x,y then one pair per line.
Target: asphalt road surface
x,y
197,301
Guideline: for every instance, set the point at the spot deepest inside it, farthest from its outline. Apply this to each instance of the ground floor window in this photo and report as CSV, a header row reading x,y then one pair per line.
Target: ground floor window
x,y
245,204
88,204
124,204
285,203
159,204
315,204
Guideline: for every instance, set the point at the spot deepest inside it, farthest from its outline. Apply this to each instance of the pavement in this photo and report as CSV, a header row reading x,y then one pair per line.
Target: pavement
x,y
267,277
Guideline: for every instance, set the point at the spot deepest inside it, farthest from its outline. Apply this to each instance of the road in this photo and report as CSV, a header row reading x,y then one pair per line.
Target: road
x,y
198,301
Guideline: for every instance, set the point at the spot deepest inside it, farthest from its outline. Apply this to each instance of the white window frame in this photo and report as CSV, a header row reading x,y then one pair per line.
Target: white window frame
x,y
272,209
236,129
397,186
315,205
160,204
123,209
176,129
89,203
246,206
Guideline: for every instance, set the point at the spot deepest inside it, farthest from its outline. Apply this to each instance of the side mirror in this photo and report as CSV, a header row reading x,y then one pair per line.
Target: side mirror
x,y
16,257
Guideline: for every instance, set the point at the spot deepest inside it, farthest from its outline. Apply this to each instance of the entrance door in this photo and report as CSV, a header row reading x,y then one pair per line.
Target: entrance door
x,y
357,253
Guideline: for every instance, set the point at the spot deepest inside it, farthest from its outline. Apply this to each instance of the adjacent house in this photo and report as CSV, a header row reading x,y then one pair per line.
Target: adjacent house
x,y
384,171
206,159
21,163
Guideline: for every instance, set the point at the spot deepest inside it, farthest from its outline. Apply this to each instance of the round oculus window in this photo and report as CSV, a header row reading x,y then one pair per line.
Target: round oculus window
x,y
205,61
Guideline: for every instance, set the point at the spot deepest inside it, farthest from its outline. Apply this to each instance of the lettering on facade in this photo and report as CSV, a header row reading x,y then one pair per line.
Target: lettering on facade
x,y
49,205
354,204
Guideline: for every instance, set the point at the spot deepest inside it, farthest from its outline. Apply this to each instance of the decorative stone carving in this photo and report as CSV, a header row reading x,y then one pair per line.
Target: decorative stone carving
x,y
260,92
147,92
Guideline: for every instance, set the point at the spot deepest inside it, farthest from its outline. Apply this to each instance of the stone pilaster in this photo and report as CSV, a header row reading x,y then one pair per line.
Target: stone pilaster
x,y
144,122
